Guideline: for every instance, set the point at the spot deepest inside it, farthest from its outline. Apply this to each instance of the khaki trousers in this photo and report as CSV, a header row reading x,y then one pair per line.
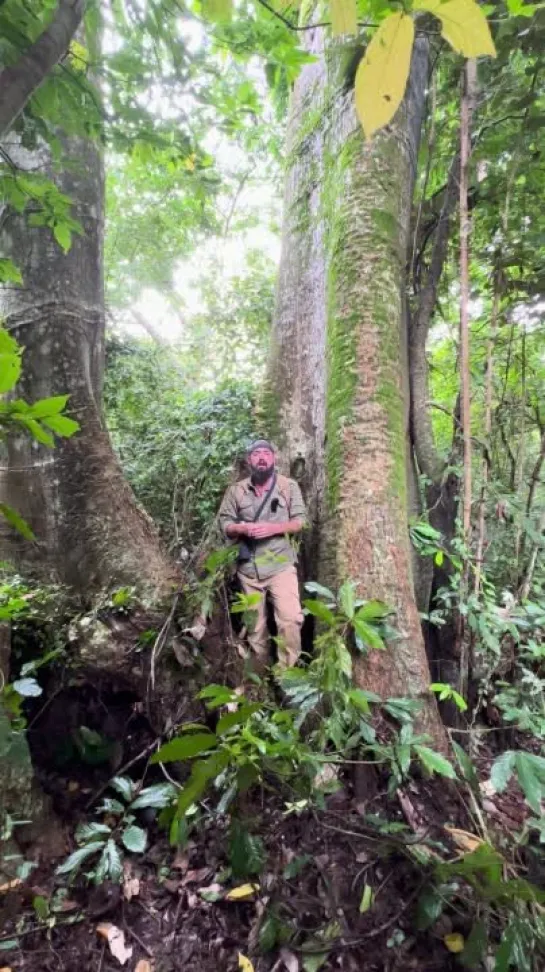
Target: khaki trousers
x,y
283,589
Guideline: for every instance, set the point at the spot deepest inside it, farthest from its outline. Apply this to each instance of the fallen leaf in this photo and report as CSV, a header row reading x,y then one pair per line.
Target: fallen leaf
x,y
366,899
192,900
180,862
67,905
454,942
10,885
116,941
143,966
212,893
131,888
73,786
197,876
242,893
244,963
464,840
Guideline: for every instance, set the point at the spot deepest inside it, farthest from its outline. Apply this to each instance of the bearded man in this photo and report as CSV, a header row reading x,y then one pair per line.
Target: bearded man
x,y
262,513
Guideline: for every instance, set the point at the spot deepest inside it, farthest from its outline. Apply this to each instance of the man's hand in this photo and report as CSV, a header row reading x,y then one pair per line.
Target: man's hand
x,y
260,531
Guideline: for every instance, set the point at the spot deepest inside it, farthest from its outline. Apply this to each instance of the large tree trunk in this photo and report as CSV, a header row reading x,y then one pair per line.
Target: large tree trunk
x,y
90,531
339,377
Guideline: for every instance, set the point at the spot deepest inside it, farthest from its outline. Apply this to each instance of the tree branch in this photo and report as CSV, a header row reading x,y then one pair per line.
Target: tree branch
x,y
428,459
19,81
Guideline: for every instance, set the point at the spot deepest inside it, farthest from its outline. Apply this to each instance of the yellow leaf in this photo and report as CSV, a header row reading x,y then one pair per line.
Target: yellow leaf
x,y
344,17
454,942
242,893
244,963
464,26
465,841
217,10
382,74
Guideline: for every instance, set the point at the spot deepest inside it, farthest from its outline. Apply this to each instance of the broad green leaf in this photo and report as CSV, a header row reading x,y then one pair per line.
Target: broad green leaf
x,y
467,767
202,772
502,770
74,862
429,908
16,521
61,425
382,74
216,695
185,747
464,26
86,833
9,273
48,406
347,597
529,782
314,588
344,17
110,864
124,786
135,839
368,634
10,369
36,430
63,236
372,610
434,762
159,795
475,946
237,718
320,611
359,698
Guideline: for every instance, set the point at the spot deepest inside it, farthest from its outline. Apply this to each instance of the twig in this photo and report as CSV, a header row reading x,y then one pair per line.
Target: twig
x,y
137,938
101,959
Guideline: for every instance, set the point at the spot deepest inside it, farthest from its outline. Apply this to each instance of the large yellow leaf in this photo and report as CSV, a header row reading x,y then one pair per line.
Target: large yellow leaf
x,y
454,942
465,26
382,74
244,963
344,17
243,893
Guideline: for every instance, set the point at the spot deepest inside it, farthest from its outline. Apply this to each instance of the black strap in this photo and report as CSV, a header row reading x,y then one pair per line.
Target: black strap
x,y
265,498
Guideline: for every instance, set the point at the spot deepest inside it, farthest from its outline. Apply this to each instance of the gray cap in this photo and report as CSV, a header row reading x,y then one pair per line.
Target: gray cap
x,y
259,444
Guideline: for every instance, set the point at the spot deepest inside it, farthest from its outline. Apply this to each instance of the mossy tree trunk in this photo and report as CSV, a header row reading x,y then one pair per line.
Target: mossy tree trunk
x,y
90,532
338,384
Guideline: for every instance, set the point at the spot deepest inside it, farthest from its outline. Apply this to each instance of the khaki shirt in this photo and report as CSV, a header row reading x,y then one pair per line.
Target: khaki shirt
x,y
274,554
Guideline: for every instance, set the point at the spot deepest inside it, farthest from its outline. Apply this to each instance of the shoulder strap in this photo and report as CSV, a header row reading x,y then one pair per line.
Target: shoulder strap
x,y
265,498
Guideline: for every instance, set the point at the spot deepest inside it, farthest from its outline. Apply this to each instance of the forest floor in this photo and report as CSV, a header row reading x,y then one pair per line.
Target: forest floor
x,y
174,910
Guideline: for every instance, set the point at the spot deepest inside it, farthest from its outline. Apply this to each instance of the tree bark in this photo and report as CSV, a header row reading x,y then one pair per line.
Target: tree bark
x,y
338,385
90,532
19,81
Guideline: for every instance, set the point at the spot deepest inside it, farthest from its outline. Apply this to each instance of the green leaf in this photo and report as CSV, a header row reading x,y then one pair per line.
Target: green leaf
x,y
475,946
63,236
232,719
10,369
360,699
87,833
135,839
434,762
73,863
216,695
16,521
320,611
246,852
529,782
41,907
347,597
110,865
502,770
314,588
429,908
202,772
36,430
466,766
62,425
160,795
366,899
9,273
367,633
372,610
48,406
185,747
124,786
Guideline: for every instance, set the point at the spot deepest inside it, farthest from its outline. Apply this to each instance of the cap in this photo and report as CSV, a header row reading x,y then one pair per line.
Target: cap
x,y
259,444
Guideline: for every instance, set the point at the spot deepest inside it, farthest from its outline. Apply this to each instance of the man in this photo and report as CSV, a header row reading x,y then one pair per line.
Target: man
x,y
262,513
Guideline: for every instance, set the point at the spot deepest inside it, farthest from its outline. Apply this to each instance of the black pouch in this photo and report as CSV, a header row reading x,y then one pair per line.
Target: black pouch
x,y
245,552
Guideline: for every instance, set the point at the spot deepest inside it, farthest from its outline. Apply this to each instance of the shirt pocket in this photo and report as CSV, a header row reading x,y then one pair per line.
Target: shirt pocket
x,y
246,510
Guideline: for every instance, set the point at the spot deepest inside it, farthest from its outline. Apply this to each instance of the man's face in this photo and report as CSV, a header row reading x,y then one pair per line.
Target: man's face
x,y
261,464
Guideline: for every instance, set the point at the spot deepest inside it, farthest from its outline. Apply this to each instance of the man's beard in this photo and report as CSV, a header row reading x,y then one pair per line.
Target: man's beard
x,y
260,474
